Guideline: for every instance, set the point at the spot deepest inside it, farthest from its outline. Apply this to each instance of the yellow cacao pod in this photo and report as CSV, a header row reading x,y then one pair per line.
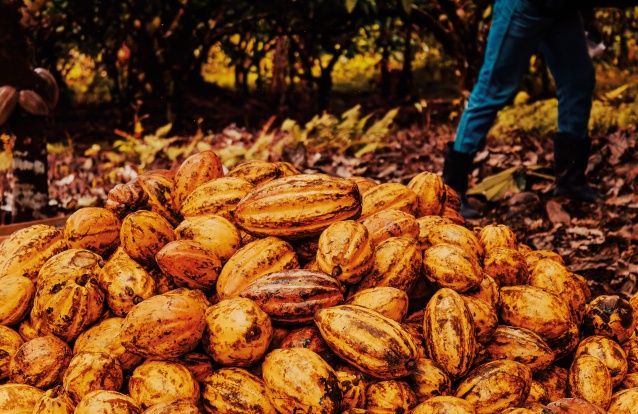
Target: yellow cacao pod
x,y
391,223
24,252
237,332
554,380
388,301
431,193
158,185
373,343
487,290
298,380
363,183
390,396
345,251
217,196
107,402
507,266
449,333
235,390
610,316
520,345
387,196
430,380
55,401
215,233
624,402
497,235
92,371
532,258
496,386
143,234
452,267
10,342
589,380
93,228
456,235
106,337
445,404
16,299
174,407
18,398
156,382
298,206
40,362
195,170
609,352
256,172
190,264
252,261
484,318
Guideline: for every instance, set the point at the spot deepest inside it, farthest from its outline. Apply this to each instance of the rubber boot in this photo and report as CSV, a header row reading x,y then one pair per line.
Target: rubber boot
x,y
571,155
456,171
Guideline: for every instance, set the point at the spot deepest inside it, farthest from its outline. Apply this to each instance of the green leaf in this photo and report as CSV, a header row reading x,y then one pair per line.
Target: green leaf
x,y
350,5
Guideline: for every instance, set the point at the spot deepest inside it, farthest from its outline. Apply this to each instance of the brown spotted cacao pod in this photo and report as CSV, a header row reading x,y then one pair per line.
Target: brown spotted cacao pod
x,y
40,362
190,264
91,371
93,228
217,196
107,402
143,234
195,170
156,382
431,193
235,390
388,196
215,233
391,223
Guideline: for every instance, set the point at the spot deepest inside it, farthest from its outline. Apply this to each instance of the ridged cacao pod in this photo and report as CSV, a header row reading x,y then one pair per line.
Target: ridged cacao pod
x,y
215,233
190,264
624,402
589,380
40,362
235,390
16,298
217,196
391,223
8,101
199,364
174,407
93,228
345,250
554,379
298,380
298,206
458,236
54,401
159,187
537,394
286,169
363,183
106,337
520,345
565,344
293,296
534,309
431,192
452,267
92,371
32,103
107,402
166,326
388,301
487,291
25,251
237,332
556,278
68,298
353,390
124,199
454,216
308,337
429,380
449,333
496,385
397,261
497,235
256,172
532,258
143,234
610,316
126,284
156,382
368,340
10,342
252,261
452,199
609,352
18,398
426,224
388,196
507,266
195,170
390,396
484,318
631,351
444,404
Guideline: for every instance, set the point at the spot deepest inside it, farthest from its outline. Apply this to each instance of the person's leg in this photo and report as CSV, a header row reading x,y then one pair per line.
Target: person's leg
x,y
565,49
517,29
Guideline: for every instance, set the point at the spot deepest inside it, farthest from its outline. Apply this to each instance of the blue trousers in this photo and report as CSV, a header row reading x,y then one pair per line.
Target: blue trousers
x,y
518,29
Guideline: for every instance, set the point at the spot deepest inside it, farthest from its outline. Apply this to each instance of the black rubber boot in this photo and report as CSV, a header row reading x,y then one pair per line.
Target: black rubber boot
x,y
571,154
456,171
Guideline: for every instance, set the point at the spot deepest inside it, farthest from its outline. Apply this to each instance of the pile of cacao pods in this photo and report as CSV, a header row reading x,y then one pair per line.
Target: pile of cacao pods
x,y
265,290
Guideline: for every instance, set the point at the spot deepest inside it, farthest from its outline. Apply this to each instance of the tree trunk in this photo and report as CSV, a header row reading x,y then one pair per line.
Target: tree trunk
x,y
30,168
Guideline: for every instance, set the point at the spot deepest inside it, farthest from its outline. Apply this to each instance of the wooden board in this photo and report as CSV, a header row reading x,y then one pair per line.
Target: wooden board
x,y
6,231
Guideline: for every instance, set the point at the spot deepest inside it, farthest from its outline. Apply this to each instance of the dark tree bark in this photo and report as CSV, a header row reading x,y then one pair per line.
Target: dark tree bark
x,y
405,86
